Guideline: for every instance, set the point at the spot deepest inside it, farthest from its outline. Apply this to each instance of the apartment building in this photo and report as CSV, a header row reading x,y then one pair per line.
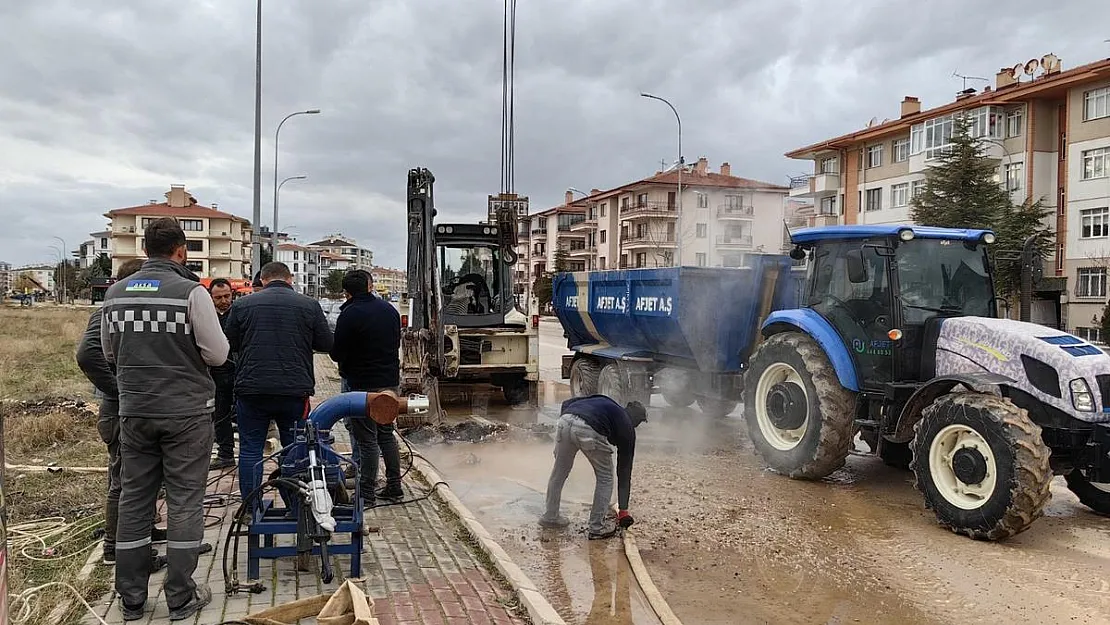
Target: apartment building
x,y
390,281
331,262
35,278
1049,131
722,219
304,263
339,245
218,243
100,243
5,278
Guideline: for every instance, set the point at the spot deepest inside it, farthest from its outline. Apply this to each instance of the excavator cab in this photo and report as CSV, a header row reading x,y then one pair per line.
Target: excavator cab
x,y
474,281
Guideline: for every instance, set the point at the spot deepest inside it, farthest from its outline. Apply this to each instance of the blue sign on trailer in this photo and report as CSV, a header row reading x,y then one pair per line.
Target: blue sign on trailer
x,y
703,318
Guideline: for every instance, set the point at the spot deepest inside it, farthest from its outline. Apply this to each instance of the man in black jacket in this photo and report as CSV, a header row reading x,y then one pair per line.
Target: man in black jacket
x,y
90,358
595,425
224,377
273,333
367,346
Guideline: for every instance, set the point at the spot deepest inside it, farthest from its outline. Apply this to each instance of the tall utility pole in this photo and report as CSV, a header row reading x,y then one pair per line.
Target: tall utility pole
x,y
256,244
277,135
681,166
64,266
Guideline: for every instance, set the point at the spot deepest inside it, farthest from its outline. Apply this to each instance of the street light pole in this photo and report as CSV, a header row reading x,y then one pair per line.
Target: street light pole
x,y
277,135
62,260
681,166
256,241
277,196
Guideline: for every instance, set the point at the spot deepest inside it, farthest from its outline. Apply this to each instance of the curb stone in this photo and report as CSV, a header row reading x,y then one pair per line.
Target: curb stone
x,y
539,610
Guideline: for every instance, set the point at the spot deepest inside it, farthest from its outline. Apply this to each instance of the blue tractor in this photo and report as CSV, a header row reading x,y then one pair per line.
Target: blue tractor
x,y
897,339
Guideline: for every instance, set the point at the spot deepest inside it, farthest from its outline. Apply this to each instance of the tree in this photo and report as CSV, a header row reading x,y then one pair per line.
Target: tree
x,y
101,267
334,282
542,290
562,260
963,191
1104,323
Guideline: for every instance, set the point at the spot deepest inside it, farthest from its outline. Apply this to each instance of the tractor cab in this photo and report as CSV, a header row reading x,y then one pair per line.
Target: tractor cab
x,y
474,280
884,288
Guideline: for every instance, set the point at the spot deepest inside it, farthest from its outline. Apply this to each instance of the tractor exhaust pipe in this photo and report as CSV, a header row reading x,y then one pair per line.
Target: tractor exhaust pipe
x,y
1030,265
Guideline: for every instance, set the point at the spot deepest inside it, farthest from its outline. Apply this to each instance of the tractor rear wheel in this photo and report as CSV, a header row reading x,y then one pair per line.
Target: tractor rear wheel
x,y
799,417
583,377
981,465
1094,495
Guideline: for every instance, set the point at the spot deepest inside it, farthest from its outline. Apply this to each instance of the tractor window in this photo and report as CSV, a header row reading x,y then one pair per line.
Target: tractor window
x,y
943,277
470,280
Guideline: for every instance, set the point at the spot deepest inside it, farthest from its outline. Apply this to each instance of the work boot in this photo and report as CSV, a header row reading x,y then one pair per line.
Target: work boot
x,y
558,522
391,493
157,536
157,562
221,463
202,596
131,613
604,534
108,555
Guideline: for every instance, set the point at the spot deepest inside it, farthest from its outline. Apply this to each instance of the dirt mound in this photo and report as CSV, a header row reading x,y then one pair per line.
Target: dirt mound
x,y
476,430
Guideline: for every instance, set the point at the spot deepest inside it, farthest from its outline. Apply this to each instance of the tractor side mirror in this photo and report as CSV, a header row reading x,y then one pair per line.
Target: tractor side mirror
x,y
857,270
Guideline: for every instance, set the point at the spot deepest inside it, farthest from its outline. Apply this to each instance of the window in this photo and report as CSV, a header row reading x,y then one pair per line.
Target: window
x,y
987,121
296,255
641,199
703,200
1096,104
103,243
830,165
601,263
828,205
917,139
603,236
1015,122
875,156
1015,172
193,245
701,230
1094,335
1095,163
900,195
641,260
701,259
917,187
146,222
938,135
874,199
1096,223
671,200
296,268
1091,282
603,209
901,149
192,225
624,204
194,265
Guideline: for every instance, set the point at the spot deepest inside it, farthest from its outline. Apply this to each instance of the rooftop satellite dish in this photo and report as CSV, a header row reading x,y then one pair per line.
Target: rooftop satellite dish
x,y
1017,71
1050,63
873,121
1031,67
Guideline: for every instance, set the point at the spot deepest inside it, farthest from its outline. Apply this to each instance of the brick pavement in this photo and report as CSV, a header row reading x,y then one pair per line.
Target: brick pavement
x,y
417,568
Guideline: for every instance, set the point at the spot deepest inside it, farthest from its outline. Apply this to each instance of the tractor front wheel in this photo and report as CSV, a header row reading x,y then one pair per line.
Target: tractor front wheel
x,y
981,465
799,417
1094,495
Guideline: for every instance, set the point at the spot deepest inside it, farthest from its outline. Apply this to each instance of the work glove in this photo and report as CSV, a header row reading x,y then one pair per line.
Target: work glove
x,y
624,519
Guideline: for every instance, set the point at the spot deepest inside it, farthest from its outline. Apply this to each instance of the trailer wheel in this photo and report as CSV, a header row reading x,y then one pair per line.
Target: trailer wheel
x,y
583,377
678,400
516,394
673,384
799,417
1094,495
611,383
981,465
716,408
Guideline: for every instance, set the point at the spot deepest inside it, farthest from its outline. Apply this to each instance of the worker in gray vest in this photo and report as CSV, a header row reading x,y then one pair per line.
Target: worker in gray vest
x,y
161,331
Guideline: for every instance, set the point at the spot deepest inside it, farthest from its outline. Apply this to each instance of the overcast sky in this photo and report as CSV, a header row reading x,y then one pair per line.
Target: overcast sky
x,y
103,107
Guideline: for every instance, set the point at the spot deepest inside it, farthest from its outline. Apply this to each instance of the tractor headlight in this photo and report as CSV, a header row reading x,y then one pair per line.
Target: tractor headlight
x,y
1081,397
988,238
905,234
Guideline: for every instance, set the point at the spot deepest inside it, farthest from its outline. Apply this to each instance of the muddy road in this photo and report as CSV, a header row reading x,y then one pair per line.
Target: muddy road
x,y
727,541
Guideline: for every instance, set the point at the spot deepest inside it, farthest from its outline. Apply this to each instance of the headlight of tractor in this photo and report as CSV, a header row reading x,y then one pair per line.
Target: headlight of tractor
x,y
1081,397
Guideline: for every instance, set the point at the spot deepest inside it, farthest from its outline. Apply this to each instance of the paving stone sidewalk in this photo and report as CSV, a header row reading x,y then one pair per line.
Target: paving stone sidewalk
x,y
416,567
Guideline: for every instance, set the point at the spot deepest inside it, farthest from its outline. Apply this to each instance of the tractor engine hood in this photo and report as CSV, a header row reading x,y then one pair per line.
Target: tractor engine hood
x,y
1055,367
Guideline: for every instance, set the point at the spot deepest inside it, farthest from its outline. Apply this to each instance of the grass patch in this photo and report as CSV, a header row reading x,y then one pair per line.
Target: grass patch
x,y
37,347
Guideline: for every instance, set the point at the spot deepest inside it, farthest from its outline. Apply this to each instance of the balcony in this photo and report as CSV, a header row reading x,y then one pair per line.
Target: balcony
x,y
129,231
633,241
536,231
584,225
219,234
582,252
649,209
729,211
816,185
725,240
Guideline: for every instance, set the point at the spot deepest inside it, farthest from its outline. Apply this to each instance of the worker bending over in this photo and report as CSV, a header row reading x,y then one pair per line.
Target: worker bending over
x,y
595,425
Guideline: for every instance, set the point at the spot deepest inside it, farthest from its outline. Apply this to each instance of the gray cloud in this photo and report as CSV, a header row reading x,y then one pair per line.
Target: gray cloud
x,y
104,106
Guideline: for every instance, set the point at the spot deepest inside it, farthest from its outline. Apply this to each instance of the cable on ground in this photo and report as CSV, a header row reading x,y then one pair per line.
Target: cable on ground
x,y
26,604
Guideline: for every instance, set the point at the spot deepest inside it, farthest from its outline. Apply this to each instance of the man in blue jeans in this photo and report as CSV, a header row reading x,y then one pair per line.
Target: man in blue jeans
x,y
367,346
274,332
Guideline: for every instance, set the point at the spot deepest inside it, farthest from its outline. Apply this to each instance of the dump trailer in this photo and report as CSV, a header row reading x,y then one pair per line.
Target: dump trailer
x,y
683,332
894,338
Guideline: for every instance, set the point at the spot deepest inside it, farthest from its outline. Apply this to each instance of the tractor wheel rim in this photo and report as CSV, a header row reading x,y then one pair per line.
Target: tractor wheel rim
x,y
959,439
780,439
1098,485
